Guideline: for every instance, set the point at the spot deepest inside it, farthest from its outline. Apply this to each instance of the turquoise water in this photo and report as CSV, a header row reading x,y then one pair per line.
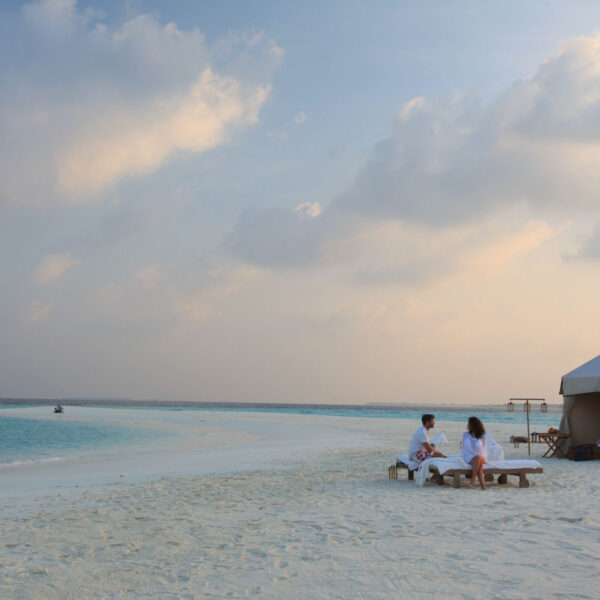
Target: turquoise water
x,y
24,440
536,418
31,439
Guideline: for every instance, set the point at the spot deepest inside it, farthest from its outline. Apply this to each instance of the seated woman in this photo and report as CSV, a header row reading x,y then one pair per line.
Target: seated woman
x,y
474,449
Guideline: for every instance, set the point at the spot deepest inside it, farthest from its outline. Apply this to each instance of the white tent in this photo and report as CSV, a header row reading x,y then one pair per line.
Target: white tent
x,y
581,404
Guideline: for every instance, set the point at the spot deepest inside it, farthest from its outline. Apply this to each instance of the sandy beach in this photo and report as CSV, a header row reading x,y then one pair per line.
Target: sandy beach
x,y
324,524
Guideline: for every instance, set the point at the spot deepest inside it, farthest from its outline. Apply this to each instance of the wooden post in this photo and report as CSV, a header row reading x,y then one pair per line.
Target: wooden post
x,y
527,407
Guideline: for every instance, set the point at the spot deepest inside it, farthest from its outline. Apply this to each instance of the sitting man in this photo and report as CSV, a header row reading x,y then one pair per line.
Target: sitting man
x,y
420,448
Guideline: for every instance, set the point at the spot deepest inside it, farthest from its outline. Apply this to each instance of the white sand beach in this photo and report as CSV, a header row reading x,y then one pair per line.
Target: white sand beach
x,y
316,520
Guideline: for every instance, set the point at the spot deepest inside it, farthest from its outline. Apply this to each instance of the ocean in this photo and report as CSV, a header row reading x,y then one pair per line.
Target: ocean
x,y
33,434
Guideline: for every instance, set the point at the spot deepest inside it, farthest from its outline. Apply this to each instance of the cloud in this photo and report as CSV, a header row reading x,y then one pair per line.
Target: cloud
x,y
589,249
38,311
152,302
52,267
415,270
300,118
203,304
281,237
139,142
496,254
458,160
150,275
85,105
309,209
393,253
454,160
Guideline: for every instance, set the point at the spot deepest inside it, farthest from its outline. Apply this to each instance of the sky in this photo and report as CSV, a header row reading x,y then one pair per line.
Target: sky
x,y
334,202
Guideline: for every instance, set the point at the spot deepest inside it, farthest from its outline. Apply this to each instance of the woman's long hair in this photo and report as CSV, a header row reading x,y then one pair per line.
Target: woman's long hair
x,y
476,428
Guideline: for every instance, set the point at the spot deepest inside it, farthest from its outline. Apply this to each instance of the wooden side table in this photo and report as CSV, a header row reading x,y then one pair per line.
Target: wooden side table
x,y
554,441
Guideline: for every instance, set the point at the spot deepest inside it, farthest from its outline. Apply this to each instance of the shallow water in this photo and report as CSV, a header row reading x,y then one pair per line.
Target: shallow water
x,y
35,434
31,439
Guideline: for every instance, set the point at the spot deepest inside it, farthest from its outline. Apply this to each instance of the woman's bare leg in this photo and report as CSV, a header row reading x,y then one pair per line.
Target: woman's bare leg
x,y
480,473
477,463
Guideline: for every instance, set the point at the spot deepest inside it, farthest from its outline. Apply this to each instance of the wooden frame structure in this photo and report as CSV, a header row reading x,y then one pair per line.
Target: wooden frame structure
x,y
527,404
554,441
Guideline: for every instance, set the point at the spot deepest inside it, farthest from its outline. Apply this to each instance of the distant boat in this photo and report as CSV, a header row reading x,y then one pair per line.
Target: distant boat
x,y
58,408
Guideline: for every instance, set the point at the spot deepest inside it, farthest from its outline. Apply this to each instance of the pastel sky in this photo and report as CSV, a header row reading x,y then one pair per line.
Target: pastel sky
x,y
339,202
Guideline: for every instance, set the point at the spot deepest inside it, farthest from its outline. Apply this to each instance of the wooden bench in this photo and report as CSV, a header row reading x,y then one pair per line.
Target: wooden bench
x,y
393,470
503,474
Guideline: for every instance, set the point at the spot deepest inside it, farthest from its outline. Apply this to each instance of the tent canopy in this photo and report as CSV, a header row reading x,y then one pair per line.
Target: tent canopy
x,y
581,404
582,380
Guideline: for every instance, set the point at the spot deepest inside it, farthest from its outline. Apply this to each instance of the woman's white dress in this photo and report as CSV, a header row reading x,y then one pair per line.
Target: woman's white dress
x,y
471,446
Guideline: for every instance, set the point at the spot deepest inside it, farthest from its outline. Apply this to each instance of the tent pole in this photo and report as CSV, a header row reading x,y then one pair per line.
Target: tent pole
x,y
528,436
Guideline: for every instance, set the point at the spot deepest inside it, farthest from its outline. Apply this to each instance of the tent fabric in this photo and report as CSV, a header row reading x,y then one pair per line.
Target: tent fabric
x,y
585,379
581,404
581,418
568,403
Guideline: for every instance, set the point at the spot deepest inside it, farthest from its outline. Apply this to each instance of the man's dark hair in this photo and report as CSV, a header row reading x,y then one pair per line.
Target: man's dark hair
x,y
427,417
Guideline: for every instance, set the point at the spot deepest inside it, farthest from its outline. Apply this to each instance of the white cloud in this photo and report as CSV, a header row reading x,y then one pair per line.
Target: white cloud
x,y
457,161
52,267
85,105
411,105
300,118
139,142
310,209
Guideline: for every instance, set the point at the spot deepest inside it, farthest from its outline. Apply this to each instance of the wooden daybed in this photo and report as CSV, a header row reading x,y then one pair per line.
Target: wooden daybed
x,y
456,473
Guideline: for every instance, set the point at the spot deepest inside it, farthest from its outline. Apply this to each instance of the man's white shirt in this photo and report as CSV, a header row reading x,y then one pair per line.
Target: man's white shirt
x,y
417,440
